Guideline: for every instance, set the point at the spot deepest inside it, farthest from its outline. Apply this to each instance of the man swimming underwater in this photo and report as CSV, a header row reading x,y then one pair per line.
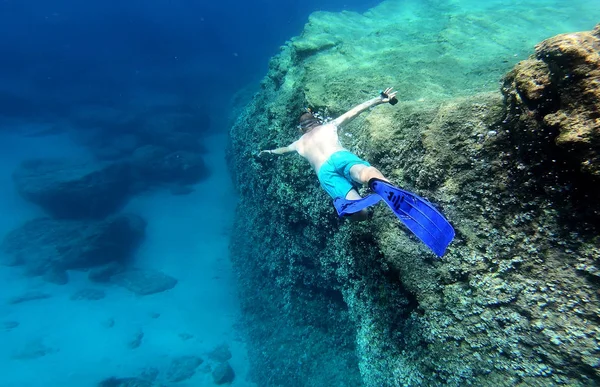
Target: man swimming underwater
x,y
339,171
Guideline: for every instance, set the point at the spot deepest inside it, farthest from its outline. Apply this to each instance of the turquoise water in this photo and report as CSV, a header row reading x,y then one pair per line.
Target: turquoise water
x,y
432,50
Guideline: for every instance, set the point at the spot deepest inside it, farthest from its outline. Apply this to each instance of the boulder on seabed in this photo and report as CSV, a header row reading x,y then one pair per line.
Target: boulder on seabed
x,y
102,274
34,349
223,373
144,282
554,97
46,246
147,378
73,190
127,382
182,368
220,353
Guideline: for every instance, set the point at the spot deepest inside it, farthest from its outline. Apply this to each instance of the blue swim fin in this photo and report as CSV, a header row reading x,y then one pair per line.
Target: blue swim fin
x,y
348,207
417,214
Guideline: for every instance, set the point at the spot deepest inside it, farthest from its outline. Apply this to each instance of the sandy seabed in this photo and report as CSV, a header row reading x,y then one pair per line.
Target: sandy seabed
x,y
63,342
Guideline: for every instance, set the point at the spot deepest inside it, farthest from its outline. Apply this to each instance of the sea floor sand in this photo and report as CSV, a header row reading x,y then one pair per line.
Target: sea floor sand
x,y
60,341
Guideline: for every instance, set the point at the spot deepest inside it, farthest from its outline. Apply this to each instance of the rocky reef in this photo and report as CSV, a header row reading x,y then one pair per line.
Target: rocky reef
x,y
50,247
553,104
73,190
514,168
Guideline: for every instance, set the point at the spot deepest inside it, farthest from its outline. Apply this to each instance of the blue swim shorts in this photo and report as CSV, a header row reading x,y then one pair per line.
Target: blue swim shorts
x,y
334,174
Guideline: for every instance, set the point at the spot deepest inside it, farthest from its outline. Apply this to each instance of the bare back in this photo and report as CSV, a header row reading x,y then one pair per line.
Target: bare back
x,y
318,144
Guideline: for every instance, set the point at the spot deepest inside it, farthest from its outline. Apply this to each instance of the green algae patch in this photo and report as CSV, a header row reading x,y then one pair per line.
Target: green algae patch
x,y
328,302
426,52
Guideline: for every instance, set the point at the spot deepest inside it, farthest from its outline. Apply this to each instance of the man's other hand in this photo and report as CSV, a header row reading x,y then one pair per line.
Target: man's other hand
x,y
389,96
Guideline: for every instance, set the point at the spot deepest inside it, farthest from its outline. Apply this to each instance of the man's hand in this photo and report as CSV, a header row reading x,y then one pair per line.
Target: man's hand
x,y
388,96
385,96
263,153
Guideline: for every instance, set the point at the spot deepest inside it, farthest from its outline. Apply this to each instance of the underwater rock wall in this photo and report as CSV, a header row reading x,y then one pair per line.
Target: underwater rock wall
x,y
328,302
553,103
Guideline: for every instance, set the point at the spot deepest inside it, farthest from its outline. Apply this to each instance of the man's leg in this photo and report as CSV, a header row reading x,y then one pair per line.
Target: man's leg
x,y
361,174
360,215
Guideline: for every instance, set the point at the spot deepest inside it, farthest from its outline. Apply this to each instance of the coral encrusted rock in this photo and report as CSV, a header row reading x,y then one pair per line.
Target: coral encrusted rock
x,y
557,93
515,301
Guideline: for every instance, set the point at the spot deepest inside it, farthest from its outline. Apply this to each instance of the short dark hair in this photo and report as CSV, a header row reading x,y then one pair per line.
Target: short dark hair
x,y
308,121
306,116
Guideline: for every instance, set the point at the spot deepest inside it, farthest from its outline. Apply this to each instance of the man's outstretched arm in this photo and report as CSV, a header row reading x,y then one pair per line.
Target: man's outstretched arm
x,y
279,151
386,96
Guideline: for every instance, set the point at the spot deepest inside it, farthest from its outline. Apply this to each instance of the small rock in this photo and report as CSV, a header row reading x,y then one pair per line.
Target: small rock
x,y
223,373
9,325
33,350
220,354
183,368
149,373
125,382
88,294
144,282
29,296
137,341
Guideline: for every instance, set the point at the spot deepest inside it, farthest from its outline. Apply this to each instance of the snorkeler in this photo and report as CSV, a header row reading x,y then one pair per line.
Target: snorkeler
x,y
339,171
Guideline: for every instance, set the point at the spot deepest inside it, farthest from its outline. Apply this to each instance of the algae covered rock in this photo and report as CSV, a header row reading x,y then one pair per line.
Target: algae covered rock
x,y
223,373
220,353
328,302
556,93
553,100
574,60
73,190
45,246
182,368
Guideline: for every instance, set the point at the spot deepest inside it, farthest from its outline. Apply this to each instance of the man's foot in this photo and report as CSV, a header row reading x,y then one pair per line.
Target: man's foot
x,y
360,216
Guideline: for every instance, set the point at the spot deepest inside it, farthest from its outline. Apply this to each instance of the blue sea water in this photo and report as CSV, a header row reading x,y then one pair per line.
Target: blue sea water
x,y
94,83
